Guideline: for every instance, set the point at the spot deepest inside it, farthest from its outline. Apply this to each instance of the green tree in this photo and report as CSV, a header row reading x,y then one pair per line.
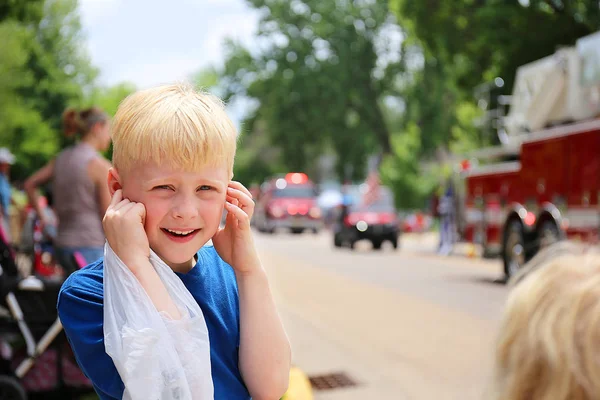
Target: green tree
x,y
479,40
402,170
256,159
454,47
59,62
109,98
44,68
26,12
22,127
320,79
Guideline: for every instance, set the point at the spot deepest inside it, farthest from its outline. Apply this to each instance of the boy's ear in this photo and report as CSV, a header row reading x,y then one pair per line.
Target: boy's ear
x,y
114,181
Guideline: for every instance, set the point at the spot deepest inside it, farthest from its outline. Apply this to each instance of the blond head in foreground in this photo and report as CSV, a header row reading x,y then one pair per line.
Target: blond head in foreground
x,y
549,342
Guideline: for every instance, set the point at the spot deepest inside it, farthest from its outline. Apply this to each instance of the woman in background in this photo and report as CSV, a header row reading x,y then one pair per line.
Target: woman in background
x,y
78,175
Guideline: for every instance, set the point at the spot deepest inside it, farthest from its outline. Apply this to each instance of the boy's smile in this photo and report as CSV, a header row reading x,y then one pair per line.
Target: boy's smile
x,y
180,236
183,209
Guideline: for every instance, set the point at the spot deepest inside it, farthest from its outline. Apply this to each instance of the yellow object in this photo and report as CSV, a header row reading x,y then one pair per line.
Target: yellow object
x,y
300,388
470,251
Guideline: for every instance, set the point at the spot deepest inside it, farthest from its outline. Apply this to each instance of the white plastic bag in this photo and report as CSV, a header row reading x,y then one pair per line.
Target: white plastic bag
x,y
157,358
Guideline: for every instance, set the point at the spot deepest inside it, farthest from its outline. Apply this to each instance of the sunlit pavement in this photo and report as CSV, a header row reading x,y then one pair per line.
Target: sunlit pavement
x,y
404,324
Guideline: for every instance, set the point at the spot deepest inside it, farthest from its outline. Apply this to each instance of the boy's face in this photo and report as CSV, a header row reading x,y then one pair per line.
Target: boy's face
x,y
183,209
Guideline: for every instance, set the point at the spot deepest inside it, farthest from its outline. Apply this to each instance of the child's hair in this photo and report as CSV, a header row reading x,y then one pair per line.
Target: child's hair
x,y
81,122
549,343
173,125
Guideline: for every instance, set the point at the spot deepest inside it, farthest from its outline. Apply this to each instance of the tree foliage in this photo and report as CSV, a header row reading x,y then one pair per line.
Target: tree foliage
x,y
324,73
477,40
108,98
459,46
318,80
344,78
43,69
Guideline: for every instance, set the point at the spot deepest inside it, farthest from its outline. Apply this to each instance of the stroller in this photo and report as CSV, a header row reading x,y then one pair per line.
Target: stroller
x,y
36,360
36,243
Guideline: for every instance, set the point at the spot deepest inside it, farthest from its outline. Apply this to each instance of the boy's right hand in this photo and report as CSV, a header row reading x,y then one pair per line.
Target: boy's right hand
x,y
124,229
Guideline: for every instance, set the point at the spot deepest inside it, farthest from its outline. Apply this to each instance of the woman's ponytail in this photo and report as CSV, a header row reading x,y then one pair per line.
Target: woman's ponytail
x,y
80,122
72,123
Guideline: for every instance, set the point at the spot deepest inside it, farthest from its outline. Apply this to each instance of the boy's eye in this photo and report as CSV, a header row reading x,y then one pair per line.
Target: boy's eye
x,y
205,187
163,187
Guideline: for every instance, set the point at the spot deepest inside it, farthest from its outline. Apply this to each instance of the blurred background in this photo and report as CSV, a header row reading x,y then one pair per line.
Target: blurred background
x,y
406,157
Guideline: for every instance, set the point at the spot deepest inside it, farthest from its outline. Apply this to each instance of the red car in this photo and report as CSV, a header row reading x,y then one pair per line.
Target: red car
x,y
288,202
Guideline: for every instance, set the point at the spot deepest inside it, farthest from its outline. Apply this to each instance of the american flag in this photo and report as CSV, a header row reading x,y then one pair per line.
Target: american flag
x,y
372,194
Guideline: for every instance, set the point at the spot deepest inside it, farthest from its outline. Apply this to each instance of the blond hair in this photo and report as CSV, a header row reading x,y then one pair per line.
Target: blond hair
x,y
549,343
173,125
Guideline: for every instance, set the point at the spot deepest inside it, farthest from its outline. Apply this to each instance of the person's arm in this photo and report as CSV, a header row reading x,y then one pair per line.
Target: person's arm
x,y
40,177
98,172
81,314
154,288
265,354
124,229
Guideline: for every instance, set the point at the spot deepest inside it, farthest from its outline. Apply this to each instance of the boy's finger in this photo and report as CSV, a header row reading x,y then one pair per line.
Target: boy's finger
x,y
237,185
121,204
125,207
116,198
245,202
240,195
239,214
230,220
140,209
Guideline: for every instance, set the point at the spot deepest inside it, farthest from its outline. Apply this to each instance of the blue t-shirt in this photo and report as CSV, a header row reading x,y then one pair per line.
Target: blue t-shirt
x,y
212,283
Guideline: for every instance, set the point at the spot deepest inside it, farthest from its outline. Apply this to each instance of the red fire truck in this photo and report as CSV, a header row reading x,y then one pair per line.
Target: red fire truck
x,y
288,202
546,186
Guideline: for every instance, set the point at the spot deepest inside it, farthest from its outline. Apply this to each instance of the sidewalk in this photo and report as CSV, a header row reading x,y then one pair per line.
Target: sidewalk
x,y
319,353
427,242
320,356
338,324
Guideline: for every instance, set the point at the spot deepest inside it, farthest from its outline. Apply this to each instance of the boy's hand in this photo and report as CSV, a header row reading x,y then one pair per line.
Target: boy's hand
x,y
234,243
124,229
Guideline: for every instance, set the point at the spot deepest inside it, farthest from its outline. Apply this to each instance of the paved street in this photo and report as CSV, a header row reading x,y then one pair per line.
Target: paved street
x,y
402,325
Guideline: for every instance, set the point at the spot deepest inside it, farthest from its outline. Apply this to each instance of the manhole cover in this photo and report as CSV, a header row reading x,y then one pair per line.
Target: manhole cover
x,y
331,381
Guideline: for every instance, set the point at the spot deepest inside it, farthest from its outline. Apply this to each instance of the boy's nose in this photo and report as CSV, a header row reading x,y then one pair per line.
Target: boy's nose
x,y
185,210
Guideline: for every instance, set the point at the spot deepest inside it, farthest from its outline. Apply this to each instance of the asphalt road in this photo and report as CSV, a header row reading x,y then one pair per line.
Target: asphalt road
x,y
404,324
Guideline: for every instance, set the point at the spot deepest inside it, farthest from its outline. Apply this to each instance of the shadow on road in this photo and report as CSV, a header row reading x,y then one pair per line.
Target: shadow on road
x,y
499,281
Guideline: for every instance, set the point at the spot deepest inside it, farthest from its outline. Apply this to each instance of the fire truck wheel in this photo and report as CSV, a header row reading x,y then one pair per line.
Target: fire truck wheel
x,y
337,242
548,234
11,389
513,252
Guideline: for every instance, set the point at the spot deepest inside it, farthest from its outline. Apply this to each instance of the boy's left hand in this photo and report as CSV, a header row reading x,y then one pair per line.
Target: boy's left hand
x,y
234,242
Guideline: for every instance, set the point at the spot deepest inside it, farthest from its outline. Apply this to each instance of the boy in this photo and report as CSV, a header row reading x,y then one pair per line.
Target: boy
x,y
173,163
